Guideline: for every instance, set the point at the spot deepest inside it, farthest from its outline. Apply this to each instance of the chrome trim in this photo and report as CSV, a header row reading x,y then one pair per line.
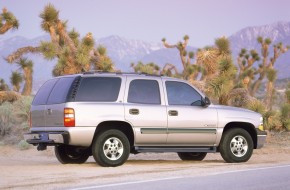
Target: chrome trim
x,y
176,130
191,130
153,130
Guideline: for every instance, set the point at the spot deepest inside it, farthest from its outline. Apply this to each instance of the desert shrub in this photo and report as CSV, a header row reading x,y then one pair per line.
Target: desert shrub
x,y
7,120
257,106
23,145
285,116
14,120
272,120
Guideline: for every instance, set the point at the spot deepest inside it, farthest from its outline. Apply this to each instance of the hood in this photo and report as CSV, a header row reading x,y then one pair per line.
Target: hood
x,y
228,114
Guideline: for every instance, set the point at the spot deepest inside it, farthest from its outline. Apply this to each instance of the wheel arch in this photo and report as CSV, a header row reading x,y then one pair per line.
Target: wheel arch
x,y
250,128
123,126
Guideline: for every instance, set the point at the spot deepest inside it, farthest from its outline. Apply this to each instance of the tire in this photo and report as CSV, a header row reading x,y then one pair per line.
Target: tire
x,y
67,154
194,156
111,148
236,145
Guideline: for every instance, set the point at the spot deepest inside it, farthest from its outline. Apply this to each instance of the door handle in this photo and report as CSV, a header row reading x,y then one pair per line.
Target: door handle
x,y
134,111
173,113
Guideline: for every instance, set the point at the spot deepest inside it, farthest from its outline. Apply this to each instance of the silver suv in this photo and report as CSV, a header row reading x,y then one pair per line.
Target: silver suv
x,y
110,115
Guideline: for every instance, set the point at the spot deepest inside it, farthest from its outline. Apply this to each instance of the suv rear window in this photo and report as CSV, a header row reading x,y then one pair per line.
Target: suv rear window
x,y
60,90
99,89
43,93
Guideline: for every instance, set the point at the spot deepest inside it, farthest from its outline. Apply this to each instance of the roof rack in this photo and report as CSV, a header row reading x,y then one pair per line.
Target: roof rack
x,y
119,72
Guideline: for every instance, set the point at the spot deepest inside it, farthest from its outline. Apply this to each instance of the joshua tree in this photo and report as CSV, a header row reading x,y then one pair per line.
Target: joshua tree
x,y
266,69
3,85
190,70
7,21
170,70
150,68
74,55
16,79
246,70
103,61
27,68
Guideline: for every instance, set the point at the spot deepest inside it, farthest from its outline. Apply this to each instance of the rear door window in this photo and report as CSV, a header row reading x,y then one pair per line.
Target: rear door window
x,y
43,93
59,93
99,89
144,92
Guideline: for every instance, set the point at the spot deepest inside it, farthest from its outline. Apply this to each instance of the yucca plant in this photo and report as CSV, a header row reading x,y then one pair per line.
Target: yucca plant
x,y
16,79
26,67
7,21
73,54
185,57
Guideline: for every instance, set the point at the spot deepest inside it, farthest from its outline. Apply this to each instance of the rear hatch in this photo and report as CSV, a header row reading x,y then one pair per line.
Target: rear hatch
x,y
47,108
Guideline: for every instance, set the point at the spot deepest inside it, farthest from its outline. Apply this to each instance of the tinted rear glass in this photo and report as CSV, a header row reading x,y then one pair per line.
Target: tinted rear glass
x,y
59,93
99,89
144,92
43,93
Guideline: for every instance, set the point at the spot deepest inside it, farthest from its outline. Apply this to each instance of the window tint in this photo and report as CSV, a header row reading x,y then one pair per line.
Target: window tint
x,y
179,93
43,93
144,92
99,89
59,92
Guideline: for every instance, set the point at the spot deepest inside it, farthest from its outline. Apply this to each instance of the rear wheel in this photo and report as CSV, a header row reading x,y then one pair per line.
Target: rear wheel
x,y
111,148
236,145
197,156
67,154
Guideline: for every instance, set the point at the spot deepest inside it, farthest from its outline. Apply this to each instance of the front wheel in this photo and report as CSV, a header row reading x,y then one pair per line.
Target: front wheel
x,y
111,148
195,156
67,154
236,145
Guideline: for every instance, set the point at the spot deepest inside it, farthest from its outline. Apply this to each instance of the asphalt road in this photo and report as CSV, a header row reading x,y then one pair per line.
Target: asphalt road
x,y
267,178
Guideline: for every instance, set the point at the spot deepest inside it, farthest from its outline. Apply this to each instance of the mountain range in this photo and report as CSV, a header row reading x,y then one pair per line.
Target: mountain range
x,y
125,51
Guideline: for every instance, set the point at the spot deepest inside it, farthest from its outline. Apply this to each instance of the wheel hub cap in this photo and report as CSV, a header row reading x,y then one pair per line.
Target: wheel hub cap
x,y
239,146
113,148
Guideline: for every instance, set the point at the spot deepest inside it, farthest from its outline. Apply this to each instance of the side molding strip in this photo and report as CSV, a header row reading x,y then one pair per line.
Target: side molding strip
x,y
177,130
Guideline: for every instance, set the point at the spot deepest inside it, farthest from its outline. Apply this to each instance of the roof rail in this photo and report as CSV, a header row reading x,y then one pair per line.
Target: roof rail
x,y
119,72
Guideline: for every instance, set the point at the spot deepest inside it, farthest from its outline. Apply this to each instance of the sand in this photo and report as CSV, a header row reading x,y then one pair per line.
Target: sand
x,y
32,169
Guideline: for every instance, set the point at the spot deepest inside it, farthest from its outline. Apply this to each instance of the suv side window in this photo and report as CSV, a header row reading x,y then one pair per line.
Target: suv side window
x,y
144,92
59,92
43,93
179,93
99,89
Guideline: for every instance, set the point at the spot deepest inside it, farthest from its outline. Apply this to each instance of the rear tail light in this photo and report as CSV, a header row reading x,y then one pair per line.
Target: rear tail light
x,y
69,117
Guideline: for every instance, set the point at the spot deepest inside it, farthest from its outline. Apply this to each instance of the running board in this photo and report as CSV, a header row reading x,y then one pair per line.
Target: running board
x,y
175,149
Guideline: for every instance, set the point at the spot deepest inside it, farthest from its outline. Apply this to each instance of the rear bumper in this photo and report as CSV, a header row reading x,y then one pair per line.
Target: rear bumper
x,y
261,138
48,138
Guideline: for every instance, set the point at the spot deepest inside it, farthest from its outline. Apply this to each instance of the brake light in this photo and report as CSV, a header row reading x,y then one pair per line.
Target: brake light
x,y
69,117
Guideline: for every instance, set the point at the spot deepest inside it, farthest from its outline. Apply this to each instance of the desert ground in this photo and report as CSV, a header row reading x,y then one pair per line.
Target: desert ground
x,y
32,169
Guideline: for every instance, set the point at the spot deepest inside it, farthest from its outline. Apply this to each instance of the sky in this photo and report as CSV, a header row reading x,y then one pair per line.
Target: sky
x,y
151,20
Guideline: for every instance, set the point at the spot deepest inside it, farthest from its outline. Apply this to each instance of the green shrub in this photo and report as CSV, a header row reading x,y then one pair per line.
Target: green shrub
x,y
285,116
7,120
14,120
23,145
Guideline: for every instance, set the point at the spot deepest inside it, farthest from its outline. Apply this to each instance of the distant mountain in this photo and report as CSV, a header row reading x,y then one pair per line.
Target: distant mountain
x,y
247,37
277,32
125,51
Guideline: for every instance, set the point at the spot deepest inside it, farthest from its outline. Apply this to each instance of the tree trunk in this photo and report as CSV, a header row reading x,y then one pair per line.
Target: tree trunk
x,y
27,89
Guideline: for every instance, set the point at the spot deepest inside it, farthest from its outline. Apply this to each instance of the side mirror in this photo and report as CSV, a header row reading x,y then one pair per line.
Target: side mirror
x,y
205,102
